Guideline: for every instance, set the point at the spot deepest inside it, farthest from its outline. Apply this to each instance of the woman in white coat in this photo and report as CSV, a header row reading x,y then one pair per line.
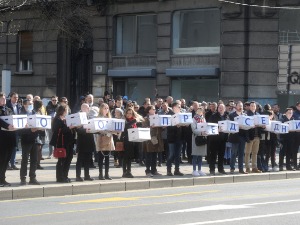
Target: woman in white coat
x,y
198,151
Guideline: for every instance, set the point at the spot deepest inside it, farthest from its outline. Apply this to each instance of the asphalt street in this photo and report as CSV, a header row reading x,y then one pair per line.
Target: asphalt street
x,y
265,202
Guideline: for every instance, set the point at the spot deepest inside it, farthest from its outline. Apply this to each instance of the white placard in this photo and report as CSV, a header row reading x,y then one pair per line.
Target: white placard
x,y
76,119
96,125
39,121
261,120
228,126
115,125
18,121
182,119
139,134
160,120
294,125
208,128
277,127
245,122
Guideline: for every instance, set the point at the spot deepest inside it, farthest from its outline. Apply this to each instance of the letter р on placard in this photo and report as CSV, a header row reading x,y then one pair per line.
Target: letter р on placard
x,y
185,118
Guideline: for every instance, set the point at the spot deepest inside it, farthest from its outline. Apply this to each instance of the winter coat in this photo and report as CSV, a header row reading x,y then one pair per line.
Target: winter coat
x,y
197,150
68,134
235,138
156,134
7,138
85,141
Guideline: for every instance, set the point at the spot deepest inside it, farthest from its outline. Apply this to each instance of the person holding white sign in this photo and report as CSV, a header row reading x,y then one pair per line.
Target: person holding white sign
x,y
132,120
238,141
29,143
60,128
85,148
7,140
153,146
198,151
288,142
174,137
252,145
104,145
217,143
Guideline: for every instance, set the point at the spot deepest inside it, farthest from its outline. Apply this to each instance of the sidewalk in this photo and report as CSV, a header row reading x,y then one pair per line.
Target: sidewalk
x,y
49,187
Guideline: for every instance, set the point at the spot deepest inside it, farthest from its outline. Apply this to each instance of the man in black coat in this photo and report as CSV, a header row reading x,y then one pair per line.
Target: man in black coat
x,y
12,103
7,140
217,143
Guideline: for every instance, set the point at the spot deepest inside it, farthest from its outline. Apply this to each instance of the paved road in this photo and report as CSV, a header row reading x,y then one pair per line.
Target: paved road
x,y
266,202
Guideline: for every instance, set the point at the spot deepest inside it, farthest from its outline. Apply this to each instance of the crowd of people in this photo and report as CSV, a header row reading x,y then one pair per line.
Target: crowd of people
x,y
254,149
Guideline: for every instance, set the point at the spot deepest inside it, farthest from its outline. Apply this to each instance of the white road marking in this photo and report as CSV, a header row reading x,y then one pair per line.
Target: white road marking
x,y
243,218
210,208
227,207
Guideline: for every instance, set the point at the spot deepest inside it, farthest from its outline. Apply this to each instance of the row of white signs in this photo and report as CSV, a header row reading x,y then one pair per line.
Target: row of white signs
x,y
181,119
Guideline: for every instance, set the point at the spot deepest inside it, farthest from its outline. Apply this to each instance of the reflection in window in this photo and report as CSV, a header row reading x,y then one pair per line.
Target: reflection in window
x,y
136,34
196,31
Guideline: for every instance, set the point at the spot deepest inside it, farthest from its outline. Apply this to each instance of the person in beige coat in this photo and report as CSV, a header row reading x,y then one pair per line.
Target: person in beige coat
x,y
104,145
198,151
153,146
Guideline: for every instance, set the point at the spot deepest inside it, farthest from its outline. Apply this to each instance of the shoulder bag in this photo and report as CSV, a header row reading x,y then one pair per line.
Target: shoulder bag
x,y
60,152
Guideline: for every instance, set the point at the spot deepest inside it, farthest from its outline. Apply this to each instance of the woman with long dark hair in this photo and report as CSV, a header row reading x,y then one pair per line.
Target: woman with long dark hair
x,y
62,132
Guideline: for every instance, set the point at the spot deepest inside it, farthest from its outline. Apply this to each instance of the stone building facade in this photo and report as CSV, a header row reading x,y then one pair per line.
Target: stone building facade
x,y
196,49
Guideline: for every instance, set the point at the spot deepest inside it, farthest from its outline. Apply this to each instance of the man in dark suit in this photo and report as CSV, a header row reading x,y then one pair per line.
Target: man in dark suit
x,y
12,104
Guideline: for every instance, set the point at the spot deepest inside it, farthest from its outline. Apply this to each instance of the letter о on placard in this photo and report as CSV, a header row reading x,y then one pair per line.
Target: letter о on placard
x,y
101,124
43,122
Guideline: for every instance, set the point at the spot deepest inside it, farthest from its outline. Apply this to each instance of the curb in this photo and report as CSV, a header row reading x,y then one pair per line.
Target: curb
x,y
90,188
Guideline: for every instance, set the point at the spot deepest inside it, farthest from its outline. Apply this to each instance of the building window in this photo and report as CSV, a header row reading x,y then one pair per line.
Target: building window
x,y
196,32
196,89
289,27
25,51
136,35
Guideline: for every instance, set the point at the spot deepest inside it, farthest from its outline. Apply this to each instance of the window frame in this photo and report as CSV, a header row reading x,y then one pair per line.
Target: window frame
x,y
193,50
24,66
119,36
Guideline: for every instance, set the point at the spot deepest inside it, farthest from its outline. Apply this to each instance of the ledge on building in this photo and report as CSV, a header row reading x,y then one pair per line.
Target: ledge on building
x,y
24,73
145,72
193,72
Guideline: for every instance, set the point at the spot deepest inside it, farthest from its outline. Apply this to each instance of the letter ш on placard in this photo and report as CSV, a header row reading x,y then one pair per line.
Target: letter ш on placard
x,y
118,126
165,121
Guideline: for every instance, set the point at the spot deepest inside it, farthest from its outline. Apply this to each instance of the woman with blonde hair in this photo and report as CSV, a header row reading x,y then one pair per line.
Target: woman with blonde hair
x,y
132,120
105,144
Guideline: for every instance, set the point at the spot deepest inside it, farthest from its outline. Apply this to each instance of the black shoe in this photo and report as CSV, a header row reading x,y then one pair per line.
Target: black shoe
x,y
79,179
39,167
93,166
101,177
290,169
124,175
129,175
178,173
222,172
14,167
212,173
9,168
88,178
5,184
142,163
23,181
34,182
242,172
280,168
107,177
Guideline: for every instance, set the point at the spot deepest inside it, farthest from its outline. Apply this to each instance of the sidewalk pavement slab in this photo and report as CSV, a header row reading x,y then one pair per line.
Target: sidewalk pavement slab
x,y
137,185
165,183
223,179
86,189
179,182
292,175
204,180
58,190
278,176
112,187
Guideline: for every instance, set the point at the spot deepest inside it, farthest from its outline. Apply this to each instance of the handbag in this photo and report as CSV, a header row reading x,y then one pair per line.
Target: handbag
x,y
200,140
154,140
60,152
119,146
